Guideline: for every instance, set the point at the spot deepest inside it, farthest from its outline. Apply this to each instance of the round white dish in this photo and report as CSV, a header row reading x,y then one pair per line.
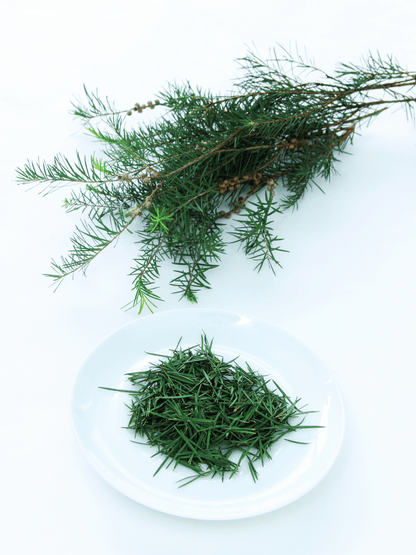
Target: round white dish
x,y
98,416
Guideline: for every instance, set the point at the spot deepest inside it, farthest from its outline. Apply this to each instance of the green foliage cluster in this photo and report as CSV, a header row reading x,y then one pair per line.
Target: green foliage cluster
x,y
207,158
198,410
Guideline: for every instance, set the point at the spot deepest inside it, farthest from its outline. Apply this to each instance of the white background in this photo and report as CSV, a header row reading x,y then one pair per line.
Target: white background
x,y
347,290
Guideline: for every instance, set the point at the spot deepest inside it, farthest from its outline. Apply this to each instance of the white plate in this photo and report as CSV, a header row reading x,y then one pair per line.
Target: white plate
x,y
98,416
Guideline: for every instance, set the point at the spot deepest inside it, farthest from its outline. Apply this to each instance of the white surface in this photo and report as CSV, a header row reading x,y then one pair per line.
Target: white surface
x,y
99,416
346,291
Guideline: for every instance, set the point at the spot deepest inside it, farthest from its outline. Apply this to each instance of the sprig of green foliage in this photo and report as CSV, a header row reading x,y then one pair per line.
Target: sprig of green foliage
x,y
198,410
208,157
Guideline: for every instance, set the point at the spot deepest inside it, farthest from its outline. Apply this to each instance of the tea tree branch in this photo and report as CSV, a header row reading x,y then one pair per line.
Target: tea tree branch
x,y
207,158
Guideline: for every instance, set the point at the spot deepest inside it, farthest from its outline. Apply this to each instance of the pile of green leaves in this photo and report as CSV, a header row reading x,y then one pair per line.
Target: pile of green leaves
x,y
210,157
198,410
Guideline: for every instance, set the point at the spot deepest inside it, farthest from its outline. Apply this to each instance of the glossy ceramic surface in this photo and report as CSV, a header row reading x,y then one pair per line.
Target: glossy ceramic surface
x,y
98,416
